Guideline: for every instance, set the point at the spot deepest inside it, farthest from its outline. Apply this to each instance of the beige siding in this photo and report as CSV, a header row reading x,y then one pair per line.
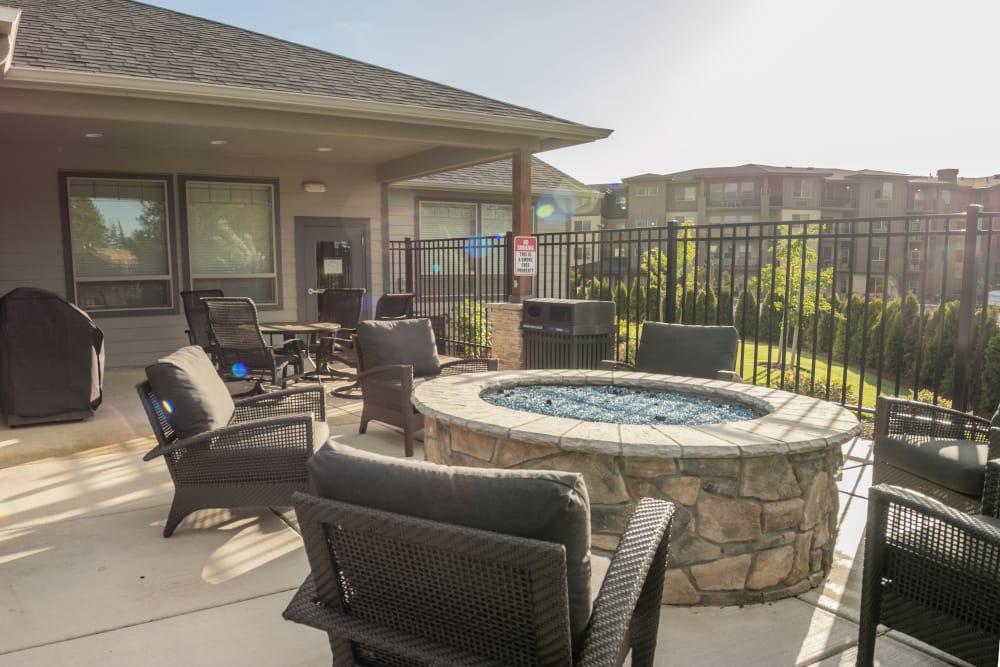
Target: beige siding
x,y
31,239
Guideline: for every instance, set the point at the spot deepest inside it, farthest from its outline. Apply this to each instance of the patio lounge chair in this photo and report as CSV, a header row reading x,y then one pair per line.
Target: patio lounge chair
x,y
221,453
394,306
198,331
420,564
343,306
242,351
932,449
933,572
392,356
690,350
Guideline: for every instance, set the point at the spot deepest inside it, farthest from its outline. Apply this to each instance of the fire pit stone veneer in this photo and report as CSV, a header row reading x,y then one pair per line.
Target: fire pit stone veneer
x,y
761,494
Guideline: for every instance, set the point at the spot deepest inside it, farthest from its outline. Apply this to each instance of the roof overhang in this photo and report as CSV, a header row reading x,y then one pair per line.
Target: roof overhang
x,y
9,18
429,140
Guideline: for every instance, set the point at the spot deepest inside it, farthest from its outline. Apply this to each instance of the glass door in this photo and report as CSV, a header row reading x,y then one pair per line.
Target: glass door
x,y
329,252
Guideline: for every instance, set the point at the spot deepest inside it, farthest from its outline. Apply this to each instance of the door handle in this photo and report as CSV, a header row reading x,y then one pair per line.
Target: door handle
x,y
312,291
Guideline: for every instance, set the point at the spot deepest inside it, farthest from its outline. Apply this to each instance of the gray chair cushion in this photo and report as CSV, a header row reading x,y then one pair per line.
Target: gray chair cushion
x,y
199,400
687,349
959,465
537,504
385,342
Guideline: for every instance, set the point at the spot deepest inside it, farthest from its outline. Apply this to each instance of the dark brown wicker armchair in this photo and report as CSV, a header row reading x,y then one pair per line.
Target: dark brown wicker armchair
x,y
198,331
933,572
392,356
426,584
394,306
242,351
935,450
685,349
343,306
221,453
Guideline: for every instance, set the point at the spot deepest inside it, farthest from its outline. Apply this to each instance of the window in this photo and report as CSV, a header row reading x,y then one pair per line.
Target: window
x,y
880,225
946,197
231,237
916,225
884,191
645,222
799,216
732,190
684,192
801,188
878,253
646,191
715,192
497,219
746,190
875,285
120,243
621,202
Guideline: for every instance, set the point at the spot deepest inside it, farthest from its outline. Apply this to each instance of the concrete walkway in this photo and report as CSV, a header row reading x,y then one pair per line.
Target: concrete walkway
x,y
87,579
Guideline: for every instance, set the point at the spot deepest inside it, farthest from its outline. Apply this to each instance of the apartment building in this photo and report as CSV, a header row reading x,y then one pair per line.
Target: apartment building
x,y
754,193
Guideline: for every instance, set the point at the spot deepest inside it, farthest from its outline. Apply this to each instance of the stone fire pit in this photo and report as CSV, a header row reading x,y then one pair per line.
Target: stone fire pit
x,y
761,493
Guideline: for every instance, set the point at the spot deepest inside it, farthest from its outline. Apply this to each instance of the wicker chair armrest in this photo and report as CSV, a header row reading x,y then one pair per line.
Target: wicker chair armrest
x,y
991,489
391,373
460,366
729,376
884,495
899,416
259,434
612,365
627,607
286,401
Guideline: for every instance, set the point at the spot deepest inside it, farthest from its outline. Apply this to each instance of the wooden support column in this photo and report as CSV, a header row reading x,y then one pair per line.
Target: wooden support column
x,y
521,213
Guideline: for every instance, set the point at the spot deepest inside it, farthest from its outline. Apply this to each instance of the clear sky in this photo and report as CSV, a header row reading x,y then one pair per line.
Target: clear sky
x,y
896,85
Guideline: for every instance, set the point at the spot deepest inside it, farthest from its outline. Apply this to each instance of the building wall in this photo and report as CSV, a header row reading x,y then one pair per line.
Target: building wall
x,y
31,235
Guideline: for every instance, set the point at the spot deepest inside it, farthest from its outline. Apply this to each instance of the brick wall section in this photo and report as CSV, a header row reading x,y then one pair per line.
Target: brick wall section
x,y
505,323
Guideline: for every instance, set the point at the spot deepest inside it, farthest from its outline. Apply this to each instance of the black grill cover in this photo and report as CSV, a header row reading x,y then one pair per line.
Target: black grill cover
x,y
51,358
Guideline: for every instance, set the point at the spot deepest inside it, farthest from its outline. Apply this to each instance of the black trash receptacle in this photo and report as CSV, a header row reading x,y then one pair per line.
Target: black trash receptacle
x,y
567,333
51,359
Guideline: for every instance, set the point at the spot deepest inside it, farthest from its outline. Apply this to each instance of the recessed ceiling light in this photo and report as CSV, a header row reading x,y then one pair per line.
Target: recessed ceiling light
x,y
324,149
218,142
93,135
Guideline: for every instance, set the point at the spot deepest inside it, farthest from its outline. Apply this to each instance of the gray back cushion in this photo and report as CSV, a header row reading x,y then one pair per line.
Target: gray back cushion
x,y
412,342
198,398
687,349
537,504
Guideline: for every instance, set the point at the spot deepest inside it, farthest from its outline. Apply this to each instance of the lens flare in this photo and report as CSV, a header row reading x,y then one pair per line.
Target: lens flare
x,y
545,210
435,268
478,247
169,408
239,369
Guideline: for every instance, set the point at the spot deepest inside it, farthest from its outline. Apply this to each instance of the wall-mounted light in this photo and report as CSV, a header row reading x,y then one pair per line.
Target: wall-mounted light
x,y
314,186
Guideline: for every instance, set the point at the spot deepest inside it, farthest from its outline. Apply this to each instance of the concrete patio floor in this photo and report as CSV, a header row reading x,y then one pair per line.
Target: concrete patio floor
x,y
87,579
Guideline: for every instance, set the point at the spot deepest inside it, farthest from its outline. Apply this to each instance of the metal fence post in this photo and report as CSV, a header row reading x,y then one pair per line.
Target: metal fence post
x,y
671,305
408,265
508,268
966,309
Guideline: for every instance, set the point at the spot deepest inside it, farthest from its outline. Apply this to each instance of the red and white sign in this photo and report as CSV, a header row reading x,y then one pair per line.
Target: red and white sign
x,y
525,255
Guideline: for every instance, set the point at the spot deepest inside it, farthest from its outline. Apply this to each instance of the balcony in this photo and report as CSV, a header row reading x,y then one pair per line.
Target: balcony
x,y
744,202
839,201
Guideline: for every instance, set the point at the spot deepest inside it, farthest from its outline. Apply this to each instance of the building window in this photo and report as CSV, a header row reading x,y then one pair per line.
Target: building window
x,y
799,216
684,192
801,188
646,191
946,197
916,225
875,285
497,219
232,237
878,253
732,191
119,241
715,192
645,222
884,191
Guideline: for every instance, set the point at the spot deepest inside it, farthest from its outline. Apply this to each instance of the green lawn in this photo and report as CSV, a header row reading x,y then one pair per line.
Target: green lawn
x,y
745,366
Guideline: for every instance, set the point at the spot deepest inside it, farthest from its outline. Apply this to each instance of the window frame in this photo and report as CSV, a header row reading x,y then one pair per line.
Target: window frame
x,y
681,192
182,208
881,190
172,242
804,190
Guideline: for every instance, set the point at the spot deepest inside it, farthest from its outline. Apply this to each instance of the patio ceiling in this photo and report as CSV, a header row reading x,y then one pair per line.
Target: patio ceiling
x,y
401,141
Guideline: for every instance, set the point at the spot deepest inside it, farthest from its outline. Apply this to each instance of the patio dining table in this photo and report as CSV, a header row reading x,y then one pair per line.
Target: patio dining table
x,y
294,330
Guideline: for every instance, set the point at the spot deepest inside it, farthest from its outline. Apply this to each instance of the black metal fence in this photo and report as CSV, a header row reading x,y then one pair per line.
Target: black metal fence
x,y
843,309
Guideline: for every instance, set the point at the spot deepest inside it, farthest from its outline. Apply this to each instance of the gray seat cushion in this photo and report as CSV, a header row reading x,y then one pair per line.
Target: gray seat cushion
x,y
385,342
537,504
687,349
959,465
198,398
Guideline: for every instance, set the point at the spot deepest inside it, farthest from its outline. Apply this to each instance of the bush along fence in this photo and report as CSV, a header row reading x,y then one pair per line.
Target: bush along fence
x,y
840,309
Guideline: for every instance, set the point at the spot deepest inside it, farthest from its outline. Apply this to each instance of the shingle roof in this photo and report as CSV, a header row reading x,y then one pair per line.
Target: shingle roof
x,y
122,37
499,174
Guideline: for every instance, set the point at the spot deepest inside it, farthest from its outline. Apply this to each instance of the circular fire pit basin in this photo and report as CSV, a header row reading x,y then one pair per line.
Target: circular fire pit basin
x,y
761,493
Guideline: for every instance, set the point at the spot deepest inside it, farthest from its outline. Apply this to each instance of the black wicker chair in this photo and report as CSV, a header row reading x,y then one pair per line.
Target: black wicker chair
x,y
933,572
392,356
394,306
242,351
394,588
704,351
198,331
343,306
932,449
256,458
